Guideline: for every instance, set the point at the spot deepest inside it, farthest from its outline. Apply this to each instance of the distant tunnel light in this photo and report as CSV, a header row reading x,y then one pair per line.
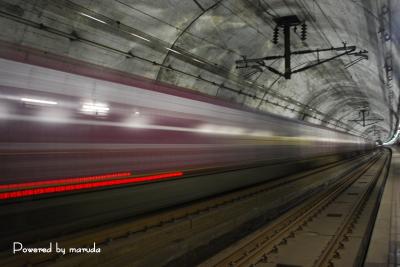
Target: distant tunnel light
x,y
38,101
393,140
95,108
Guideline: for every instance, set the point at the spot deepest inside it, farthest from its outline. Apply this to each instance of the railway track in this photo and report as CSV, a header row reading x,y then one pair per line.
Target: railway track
x,y
156,232
317,232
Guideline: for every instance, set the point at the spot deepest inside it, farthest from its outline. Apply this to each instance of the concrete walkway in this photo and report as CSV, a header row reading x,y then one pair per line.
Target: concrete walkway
x,y
384,248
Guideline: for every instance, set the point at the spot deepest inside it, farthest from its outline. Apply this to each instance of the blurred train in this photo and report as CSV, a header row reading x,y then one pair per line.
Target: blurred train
x,y
56,124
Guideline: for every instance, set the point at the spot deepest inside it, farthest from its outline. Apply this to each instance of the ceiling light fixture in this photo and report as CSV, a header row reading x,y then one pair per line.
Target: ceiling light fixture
x,y
172,50
138,36
96,19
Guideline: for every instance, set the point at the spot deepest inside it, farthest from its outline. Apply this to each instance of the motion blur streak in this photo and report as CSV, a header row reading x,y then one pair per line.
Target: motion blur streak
x,y
66,180
74,187
116,123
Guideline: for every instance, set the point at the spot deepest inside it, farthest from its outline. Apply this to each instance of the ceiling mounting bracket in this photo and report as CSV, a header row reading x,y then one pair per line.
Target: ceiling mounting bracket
x,y
286,23
363,119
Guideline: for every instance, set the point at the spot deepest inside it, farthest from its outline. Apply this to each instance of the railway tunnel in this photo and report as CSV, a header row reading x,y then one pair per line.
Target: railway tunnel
x,y
199,133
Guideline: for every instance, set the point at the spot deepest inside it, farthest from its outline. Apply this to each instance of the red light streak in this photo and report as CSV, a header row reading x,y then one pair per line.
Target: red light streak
x,y
74,187
67,180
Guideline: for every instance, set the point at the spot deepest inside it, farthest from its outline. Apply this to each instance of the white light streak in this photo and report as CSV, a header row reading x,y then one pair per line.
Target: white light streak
x,y
198,60
216,129
138,36
95,108
172,50
38,101
96,19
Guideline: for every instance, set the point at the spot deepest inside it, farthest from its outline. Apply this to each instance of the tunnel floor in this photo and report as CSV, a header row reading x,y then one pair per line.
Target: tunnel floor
x,y
262,224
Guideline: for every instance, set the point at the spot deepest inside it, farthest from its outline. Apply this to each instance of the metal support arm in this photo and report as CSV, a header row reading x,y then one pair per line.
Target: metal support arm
x,y
286,23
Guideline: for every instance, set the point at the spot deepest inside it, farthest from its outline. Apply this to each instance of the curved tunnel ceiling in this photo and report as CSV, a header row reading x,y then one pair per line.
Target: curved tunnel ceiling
x,y
195,43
